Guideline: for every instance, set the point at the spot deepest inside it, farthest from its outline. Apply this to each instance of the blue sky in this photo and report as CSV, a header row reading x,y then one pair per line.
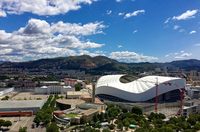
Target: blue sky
x,y
125,30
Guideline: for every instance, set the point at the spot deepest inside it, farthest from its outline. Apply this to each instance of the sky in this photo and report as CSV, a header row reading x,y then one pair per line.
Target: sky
x,y
125,30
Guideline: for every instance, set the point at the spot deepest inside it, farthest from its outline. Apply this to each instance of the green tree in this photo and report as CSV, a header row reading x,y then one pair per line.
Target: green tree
x,y
197,126
5,98
142,130
126,122
112,126
120,125
7,123
136,110
23,129
78,86
1,122
106,130
52,128
165,129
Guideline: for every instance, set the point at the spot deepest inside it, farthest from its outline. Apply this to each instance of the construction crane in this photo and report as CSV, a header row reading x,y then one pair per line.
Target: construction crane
x,y
182,92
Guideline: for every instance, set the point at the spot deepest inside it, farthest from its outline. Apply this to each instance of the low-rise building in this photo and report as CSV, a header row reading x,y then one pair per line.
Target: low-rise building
x,y
53,89
4,91
76,94
12,107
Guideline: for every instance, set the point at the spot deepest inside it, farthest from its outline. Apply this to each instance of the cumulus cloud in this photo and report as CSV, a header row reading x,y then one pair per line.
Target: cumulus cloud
x,y
179,55
132,14
193,32
176,27
119,0
40,39
167,20
135,31
121,13
78,29
41,7
108,12
127,56
2,13
119,46
186,15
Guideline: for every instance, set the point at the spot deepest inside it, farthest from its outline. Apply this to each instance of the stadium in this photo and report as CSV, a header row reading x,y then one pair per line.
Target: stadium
x,y
125,88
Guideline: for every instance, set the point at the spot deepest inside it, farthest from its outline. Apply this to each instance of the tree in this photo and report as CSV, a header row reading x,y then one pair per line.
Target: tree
x,y
7,123
106,130
5,98
120,125
95,118
52,128
23,129
197,126
136,110
78,86
165,129
142,130
126,122
112,126
1,122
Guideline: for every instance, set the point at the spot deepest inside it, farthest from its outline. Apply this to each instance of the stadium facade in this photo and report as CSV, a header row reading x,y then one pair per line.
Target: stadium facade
x,y
125,88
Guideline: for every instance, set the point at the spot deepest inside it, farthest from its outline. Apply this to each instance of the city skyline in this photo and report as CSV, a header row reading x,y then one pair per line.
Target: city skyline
x,y
125,30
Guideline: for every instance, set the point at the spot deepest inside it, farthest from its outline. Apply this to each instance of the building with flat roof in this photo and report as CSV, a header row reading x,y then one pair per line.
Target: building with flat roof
x,y
21,105
54,89
76,94
4,91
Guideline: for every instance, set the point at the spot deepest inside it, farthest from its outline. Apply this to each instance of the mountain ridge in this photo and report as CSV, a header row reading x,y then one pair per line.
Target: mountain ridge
x,y
99,63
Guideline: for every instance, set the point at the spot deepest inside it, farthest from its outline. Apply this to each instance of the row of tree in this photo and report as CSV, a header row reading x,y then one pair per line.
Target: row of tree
x,y
4,123
44,115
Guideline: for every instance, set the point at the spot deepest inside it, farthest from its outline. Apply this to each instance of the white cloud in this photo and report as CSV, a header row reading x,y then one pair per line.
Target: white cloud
x,y
40,39
183,56
167,20
193,32
119,0
42,7
179,55
135,31
119,46
186,15
78,29
108,12
127,56
132,14
121,13
176,27
2,13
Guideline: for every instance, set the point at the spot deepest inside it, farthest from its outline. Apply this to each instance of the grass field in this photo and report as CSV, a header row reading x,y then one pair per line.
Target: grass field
x,y
71,115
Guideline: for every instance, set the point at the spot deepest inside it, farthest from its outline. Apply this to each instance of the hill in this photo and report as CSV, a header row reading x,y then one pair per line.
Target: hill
x,y
98,64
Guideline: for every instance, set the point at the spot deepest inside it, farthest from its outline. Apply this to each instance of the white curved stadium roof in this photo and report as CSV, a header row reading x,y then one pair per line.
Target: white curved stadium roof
x,y
141,89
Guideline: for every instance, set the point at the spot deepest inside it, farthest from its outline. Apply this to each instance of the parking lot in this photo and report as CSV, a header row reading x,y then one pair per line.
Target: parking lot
x,y
22,122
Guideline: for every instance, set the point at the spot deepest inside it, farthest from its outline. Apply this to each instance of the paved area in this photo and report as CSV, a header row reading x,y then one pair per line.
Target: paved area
x,y
29,96
23,122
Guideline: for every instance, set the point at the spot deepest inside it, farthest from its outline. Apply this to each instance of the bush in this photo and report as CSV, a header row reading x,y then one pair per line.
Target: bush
x,y
5,98
137,110
23,129
52,128
112,126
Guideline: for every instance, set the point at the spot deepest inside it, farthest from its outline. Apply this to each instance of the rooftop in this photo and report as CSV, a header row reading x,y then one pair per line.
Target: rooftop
x,y
21,104
70,101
